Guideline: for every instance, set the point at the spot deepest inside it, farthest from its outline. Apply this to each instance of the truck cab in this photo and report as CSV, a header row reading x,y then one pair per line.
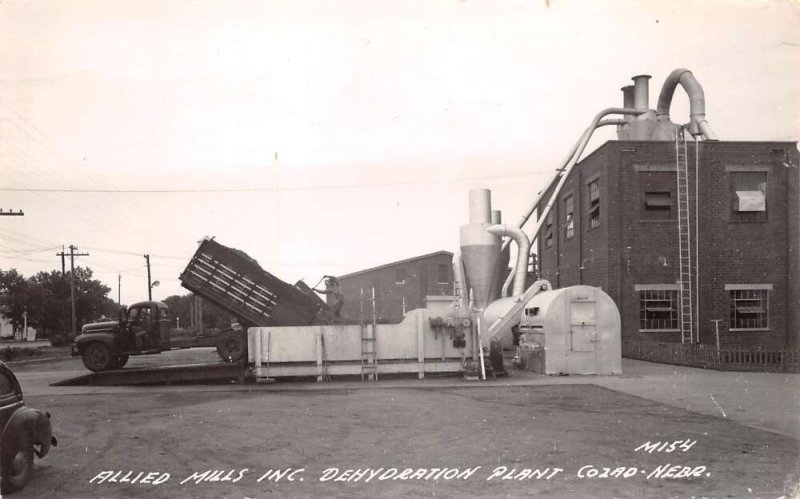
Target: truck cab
x,y
142,328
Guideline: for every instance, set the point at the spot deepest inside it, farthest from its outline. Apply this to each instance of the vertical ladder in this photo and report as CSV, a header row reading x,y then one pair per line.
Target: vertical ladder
x,y
684,240
369,357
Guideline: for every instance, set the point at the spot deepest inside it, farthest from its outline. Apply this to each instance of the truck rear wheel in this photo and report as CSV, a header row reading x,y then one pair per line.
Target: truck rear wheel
x,y
97,357
231,347
120,361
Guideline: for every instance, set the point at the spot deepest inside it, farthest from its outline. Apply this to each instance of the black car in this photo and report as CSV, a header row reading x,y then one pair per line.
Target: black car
x,y
24,432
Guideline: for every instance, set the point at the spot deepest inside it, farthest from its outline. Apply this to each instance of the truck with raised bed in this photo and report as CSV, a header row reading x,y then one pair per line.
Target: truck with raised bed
x,y
226,277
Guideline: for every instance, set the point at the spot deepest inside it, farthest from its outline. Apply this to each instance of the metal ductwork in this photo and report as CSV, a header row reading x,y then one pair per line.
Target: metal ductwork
x,y
697,102
519,272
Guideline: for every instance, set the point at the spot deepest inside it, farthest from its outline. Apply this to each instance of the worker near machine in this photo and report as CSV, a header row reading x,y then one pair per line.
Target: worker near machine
x,y
335,300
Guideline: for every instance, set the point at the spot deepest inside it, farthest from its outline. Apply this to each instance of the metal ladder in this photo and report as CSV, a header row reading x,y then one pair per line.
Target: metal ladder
x,y
369,357
684,236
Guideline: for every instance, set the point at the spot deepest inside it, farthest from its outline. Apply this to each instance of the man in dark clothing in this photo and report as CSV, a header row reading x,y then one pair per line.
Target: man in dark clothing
x,y
336,300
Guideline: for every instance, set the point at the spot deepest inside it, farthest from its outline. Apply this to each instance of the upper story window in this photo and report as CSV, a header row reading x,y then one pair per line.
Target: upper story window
x,y
400,276
548,230
748,195
569,221
658,205
594,204
443,274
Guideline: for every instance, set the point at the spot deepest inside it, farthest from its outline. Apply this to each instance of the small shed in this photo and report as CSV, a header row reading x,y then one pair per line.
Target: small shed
x,y
574,330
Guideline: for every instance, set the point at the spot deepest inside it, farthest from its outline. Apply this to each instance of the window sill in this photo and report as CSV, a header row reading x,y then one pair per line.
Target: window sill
x,y
659,330
668,220
749,330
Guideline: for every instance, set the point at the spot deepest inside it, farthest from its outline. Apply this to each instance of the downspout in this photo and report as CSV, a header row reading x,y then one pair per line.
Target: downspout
x,y
461,283
697,101
523,249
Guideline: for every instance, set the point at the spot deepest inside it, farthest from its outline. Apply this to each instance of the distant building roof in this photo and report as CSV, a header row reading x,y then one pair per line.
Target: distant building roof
x,y
407,260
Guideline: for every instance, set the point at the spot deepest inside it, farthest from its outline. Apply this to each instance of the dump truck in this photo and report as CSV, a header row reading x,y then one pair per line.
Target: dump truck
x,y
226,277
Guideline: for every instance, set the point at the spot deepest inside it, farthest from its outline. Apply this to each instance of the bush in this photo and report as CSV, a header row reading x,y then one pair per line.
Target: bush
x,y
8,354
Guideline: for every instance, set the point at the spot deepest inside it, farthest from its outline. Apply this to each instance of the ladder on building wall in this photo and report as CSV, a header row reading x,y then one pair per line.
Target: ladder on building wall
x,y
684,237
369,355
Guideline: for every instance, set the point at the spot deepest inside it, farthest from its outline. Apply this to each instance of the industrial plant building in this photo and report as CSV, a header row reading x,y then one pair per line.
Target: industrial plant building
x,y
695,241
399,287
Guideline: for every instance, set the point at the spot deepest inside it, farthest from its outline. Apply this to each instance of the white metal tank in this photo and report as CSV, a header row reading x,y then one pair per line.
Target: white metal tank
x,y
573,330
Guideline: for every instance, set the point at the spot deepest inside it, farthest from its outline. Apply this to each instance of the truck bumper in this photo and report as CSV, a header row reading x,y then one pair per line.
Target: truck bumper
x,y
74,350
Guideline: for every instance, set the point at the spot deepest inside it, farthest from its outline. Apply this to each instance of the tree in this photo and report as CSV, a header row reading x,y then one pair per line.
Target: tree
x,y
13,296
46,298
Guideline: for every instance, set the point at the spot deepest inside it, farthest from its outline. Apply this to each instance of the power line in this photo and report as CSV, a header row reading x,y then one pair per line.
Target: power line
x,y
263,189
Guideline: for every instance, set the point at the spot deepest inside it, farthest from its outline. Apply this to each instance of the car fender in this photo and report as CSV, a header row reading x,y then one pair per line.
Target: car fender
x,y
33,422
108,338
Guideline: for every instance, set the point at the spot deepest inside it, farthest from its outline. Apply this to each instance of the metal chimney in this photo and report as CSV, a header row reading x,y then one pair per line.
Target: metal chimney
x,y
641,97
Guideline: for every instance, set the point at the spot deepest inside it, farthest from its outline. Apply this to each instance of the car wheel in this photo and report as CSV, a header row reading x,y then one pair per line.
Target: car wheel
x,y
97,357
17,465
231,348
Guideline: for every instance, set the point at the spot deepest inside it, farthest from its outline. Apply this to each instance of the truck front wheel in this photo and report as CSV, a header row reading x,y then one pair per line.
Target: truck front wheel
x,y
97,357
231,347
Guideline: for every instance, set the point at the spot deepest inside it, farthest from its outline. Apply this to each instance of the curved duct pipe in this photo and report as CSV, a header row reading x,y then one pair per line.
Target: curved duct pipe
x,y
579,151
697,100
461,281
523,249
560,171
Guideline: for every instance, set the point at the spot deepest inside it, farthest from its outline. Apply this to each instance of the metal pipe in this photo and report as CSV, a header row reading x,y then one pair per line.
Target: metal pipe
x,y
480,206
641,92
461,283
568,168
627,98
497,217
524,219
523,249
697,100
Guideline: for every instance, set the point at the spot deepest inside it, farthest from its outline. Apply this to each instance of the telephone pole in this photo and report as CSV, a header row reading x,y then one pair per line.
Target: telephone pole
x,y
119,289
72,256
149,286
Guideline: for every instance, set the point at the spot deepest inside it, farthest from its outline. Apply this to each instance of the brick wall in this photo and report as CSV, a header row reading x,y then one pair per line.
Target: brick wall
x,y
631,247
421,279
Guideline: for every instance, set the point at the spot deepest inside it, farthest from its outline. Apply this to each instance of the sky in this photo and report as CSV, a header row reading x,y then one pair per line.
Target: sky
x,y
325,137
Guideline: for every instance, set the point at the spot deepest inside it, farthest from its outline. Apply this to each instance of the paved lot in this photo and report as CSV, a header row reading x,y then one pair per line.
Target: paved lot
x,y
527,422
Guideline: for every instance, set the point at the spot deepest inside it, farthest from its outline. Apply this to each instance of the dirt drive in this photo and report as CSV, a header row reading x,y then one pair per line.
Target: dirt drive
x,y
553,441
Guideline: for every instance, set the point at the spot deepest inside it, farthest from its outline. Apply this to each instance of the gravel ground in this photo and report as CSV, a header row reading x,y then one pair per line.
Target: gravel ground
x,y
245,434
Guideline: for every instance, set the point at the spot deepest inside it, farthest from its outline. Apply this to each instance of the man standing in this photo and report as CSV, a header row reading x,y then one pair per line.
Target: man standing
x,y
336,300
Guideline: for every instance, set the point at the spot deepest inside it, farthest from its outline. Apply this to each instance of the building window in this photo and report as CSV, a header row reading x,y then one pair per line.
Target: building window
x,y
749,308
594,204
399,276
748,193
548,230
657,205
658,310
569,222
443,276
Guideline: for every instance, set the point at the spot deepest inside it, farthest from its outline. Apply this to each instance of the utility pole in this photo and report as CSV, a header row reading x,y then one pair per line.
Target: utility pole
x,y
149,286
72,256
119,289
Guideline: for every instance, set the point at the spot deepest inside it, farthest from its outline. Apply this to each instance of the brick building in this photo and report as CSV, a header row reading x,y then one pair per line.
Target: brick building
x,y
615,225
399,286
